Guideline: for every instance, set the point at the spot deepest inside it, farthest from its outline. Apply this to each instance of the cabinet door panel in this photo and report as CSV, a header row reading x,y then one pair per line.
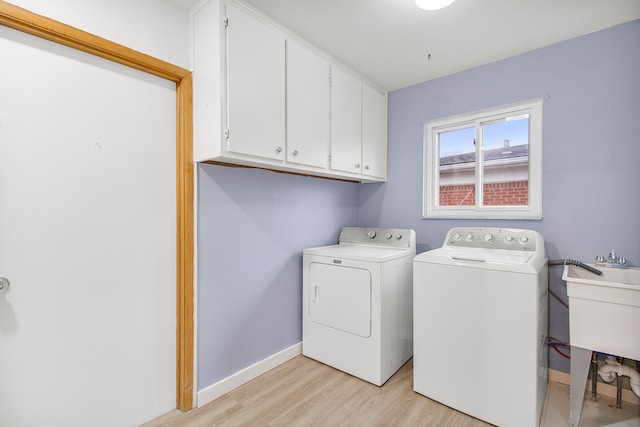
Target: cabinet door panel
x,y
255,86
308,104
374,132
346,122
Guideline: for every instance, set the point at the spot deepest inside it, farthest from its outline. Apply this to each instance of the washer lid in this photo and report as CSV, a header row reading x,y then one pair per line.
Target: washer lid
x,y
497,256
360,252
500,260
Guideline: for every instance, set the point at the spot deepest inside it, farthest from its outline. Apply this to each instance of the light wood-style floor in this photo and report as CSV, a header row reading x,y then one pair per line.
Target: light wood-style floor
x,y
303,392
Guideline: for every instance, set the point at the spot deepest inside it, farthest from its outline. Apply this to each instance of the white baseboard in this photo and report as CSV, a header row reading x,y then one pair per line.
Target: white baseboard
x,y
249,373
602,388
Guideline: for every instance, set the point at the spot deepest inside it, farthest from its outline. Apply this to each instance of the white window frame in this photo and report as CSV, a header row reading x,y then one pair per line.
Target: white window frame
x,y
431,169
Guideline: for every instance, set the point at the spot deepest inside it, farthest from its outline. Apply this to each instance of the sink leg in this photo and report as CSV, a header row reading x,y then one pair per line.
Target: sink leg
x,y
580,360
594,375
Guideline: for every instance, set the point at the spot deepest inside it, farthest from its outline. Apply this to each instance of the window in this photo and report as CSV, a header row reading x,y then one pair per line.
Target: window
x,y
485,164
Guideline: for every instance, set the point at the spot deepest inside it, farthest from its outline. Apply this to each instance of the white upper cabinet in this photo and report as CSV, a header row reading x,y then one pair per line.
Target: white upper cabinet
x,y
358,127
255,86
346,122
374,132
308,107
263,97
209,75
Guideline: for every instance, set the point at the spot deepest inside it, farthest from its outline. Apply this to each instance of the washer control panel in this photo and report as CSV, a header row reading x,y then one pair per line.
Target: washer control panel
x,y
396,237
492,238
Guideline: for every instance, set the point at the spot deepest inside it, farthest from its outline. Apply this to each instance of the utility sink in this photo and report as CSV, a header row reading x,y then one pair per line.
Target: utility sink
x,y
604,311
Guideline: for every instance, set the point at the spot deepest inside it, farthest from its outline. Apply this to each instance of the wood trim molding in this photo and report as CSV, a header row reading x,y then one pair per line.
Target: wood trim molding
x,y
37,25
185,298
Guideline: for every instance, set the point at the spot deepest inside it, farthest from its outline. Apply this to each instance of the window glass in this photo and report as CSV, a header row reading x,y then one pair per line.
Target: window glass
x,y
506,162
457,153
485,164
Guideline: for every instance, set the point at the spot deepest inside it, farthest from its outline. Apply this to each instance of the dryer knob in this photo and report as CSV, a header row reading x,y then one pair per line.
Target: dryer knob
x,y
457,236
398,236
488,237
469,237
508,239
388,235
371,234
524,240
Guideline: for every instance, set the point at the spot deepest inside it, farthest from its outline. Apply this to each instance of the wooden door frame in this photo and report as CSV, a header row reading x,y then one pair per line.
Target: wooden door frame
x,y
37,25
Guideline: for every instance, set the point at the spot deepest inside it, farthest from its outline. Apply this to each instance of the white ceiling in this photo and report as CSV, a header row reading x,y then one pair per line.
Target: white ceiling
x,y
388,41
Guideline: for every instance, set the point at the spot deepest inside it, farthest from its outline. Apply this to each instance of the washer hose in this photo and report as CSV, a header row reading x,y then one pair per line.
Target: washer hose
x,y
576,263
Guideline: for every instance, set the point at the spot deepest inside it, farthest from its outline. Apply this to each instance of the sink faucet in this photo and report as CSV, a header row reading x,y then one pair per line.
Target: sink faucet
x,y
613,260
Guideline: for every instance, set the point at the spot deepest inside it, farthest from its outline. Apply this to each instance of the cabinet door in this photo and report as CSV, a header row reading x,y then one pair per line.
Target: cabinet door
x,y
346,122
308,106
255,86
374,132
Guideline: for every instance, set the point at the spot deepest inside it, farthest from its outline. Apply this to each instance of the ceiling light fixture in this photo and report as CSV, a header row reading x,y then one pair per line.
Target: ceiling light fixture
x,y
433,4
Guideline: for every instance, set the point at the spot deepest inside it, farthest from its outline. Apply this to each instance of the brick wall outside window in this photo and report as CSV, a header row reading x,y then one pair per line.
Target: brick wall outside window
x,y
458,195
514,193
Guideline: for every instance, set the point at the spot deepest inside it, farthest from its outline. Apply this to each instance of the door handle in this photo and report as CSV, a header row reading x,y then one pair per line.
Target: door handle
x,y
314,292
5,286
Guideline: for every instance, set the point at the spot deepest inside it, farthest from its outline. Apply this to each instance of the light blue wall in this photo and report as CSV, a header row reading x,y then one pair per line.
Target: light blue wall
x,y
252,228
591,150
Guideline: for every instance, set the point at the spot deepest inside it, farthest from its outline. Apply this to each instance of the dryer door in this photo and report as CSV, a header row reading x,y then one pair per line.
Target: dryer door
x,y
340,297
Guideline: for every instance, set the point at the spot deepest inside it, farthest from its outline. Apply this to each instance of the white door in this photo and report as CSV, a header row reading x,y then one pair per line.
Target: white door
x,y
340,297
87,239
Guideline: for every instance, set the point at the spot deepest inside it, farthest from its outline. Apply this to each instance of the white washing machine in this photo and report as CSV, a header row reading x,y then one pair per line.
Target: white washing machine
x,y
357,302
480,324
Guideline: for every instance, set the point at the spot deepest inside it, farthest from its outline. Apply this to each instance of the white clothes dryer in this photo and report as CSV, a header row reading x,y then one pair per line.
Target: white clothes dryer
x,y
480,324
357,302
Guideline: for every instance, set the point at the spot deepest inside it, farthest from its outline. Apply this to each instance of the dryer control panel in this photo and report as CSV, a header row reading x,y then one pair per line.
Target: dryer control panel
x,y
394,237
493,238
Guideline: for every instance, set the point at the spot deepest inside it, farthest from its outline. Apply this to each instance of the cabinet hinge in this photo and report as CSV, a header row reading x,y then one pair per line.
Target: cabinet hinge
x,y
226,133
226,22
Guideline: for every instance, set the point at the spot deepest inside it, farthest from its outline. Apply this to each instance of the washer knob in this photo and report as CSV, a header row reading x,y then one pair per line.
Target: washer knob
x,y
524,240
388,235
398,236
469,237
508,239
371,234
5,286
457,236
488,237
